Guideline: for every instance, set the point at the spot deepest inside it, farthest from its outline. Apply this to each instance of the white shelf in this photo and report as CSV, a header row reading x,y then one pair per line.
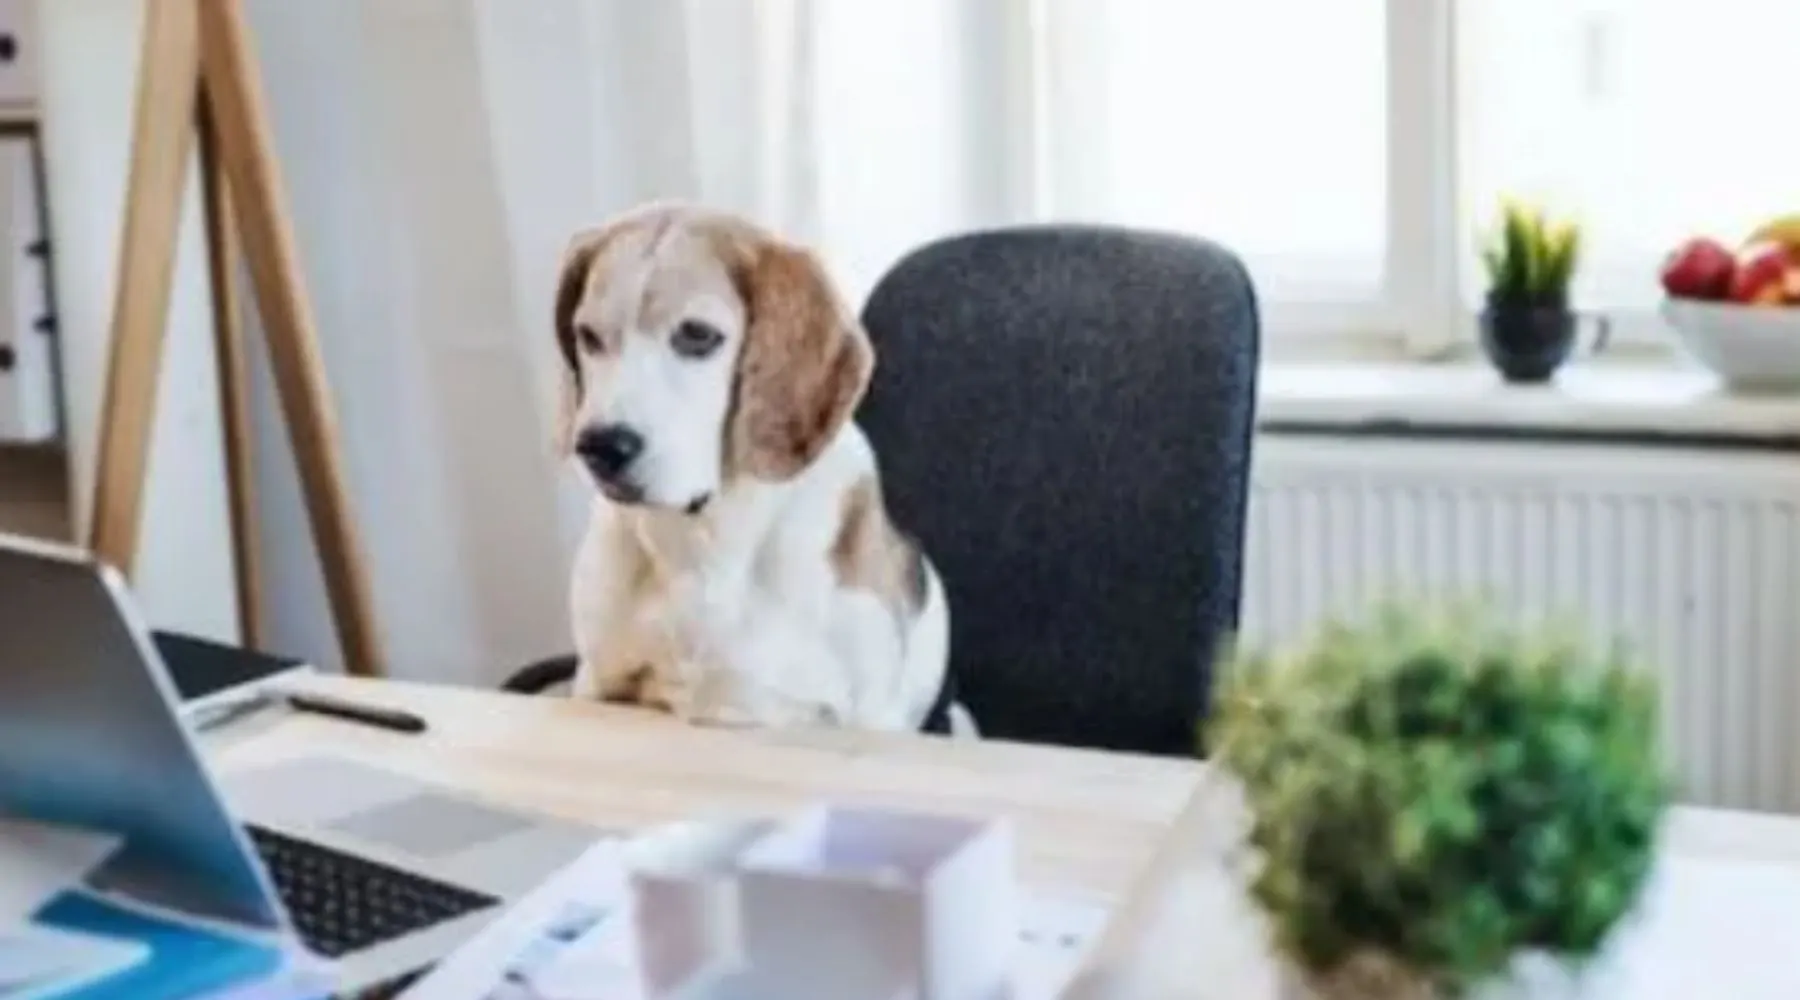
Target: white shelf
x,y
1628,401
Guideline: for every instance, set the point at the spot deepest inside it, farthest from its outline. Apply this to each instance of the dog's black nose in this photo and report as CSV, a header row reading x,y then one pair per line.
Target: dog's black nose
x,y
609,450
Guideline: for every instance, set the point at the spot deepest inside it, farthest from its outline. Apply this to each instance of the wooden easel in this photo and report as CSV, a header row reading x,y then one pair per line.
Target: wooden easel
x,y
198,78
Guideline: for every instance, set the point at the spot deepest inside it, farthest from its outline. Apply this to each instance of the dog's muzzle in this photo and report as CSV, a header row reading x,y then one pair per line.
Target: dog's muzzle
x,y
610,451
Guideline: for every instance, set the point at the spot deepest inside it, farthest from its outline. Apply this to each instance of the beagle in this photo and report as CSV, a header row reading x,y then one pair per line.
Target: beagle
x,y
739,566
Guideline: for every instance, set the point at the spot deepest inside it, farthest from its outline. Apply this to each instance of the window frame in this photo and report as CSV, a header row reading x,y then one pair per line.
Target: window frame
x,y
1425,255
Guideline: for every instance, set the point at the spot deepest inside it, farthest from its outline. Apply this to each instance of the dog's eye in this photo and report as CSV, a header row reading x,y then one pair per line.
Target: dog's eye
x,y
694,339
590,341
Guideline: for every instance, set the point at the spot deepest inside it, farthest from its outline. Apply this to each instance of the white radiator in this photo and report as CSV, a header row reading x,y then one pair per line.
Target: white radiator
x,y
1692,557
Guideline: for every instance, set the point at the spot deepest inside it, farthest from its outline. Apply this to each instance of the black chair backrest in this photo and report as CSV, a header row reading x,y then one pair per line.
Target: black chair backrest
x,y
1063,417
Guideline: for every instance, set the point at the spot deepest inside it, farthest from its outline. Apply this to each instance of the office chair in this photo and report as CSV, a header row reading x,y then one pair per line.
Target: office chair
x,y
1063,415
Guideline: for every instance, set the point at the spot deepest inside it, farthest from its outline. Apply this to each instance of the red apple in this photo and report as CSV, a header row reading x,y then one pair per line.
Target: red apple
x,y
1761,276
1701,268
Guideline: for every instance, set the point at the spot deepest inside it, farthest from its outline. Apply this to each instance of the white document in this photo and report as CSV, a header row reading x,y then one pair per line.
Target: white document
x,y
38,861
573,939
510,957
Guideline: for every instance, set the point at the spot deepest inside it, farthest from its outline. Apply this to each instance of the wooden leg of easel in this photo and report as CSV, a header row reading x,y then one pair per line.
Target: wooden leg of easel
x,y
234,380
246,151
162,137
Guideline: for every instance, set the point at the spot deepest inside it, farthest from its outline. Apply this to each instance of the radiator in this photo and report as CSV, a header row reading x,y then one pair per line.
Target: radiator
x,y
1692,558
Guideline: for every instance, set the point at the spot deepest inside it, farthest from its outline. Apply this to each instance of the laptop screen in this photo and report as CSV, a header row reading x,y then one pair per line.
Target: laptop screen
x,y
90,736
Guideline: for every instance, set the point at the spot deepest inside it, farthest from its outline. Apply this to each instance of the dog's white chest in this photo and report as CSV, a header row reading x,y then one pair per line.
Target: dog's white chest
x,y
731,654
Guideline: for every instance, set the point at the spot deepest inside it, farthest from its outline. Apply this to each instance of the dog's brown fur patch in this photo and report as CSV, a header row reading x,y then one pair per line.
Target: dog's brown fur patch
x,y
870,554
804,366
571,287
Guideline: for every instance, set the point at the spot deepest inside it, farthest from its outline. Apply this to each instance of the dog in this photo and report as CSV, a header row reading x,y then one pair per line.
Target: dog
x,y
739,566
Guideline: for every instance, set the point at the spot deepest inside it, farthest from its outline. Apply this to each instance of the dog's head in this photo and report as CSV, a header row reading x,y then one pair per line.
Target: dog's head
x,y
699,350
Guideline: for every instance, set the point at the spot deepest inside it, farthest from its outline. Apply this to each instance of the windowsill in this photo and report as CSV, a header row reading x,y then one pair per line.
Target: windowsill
x,y
1648,403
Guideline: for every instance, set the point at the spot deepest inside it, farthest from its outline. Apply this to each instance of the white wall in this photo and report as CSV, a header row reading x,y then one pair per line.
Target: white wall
x,y
430,265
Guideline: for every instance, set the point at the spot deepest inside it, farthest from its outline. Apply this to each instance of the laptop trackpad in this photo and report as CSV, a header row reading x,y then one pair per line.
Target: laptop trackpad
x,y
389,817
429,825
385,810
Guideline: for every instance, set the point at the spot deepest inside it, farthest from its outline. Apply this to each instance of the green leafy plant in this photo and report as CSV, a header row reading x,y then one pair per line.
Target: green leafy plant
x,y
1530,258
1432,793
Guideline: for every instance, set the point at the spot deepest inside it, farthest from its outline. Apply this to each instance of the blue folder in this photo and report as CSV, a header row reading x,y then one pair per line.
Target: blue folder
x,y
185,960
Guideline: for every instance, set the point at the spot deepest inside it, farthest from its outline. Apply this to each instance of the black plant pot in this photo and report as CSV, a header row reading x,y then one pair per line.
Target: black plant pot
x,y
1528,343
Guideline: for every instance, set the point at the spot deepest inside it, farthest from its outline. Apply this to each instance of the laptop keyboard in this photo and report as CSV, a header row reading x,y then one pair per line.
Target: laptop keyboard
x,y
341,903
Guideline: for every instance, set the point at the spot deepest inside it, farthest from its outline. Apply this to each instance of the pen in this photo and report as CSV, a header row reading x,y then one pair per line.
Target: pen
x,y
369,715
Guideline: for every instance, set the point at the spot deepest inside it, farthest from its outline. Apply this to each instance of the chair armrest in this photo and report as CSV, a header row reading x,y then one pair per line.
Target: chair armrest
x,y
541,676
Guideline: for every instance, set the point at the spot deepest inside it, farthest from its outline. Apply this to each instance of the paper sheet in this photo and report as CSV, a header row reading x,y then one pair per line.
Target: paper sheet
x,y
38,861
571,939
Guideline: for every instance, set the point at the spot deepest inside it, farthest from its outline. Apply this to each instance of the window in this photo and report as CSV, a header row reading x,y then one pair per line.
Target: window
x,y
1218,117
1351,150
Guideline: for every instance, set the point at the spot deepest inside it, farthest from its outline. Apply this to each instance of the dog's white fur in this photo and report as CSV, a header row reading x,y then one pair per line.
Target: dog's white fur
x,y
747,574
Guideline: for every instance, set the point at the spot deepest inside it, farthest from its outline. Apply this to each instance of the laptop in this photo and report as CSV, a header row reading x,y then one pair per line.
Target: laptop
x,y
378,872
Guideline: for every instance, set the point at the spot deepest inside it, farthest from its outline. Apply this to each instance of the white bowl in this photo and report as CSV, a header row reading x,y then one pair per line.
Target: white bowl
x,y
1752,348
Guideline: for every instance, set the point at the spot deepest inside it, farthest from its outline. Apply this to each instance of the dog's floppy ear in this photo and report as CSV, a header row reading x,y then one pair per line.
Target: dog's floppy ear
x,y
578,260
804,367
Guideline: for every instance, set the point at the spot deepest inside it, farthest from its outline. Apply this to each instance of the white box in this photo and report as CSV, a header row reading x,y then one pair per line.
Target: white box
x,y
860,904
684,901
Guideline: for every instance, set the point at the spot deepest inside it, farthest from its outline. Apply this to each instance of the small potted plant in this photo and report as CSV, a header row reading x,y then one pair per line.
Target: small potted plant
x,y
1441,807
1527,326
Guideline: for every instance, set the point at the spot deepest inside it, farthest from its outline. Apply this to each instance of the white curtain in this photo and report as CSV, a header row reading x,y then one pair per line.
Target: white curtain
x,y
866,126
870,126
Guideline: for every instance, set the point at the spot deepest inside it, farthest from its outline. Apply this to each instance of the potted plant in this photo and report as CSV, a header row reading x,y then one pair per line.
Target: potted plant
x,y
1527,326
1441,807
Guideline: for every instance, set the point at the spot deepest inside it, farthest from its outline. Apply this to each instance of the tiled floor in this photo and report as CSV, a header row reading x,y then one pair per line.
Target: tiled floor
x,y
33,493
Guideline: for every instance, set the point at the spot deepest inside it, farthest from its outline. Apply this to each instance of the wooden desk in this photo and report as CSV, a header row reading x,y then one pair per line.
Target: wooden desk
x,y
1087,822
1142,833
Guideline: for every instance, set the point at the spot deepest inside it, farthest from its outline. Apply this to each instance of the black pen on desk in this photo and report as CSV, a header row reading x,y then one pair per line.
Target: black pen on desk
x,y
368,715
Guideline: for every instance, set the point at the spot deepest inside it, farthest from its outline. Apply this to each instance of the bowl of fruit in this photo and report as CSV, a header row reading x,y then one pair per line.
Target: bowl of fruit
x,y
1737,311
